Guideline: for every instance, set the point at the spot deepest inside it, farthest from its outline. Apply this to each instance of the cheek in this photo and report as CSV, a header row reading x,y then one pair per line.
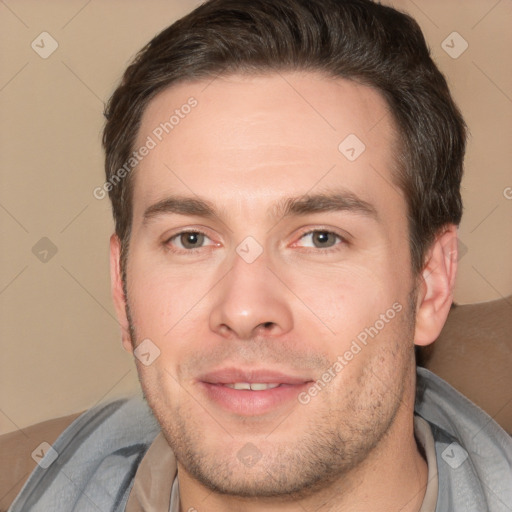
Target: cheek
x,y
346,300
161,297
375,361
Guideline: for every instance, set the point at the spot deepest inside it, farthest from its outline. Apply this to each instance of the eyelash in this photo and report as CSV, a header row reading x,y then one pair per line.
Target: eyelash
x,y
184,232
334,248
326,250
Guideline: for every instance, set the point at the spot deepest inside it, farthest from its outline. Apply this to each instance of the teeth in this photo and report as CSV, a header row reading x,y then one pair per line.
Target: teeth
x,y
261,387
253,387
239,385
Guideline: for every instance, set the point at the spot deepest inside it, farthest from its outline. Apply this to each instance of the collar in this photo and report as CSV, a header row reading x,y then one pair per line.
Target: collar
x,y
151,488
424,436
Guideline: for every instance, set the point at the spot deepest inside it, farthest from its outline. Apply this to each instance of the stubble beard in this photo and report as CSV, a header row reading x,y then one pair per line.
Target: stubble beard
x,y
340,437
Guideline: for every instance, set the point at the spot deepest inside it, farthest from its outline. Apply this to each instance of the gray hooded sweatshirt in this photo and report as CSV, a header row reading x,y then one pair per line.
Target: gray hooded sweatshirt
x,y
93,463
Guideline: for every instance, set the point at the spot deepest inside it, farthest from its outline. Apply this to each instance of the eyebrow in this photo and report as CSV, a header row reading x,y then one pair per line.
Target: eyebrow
x,y
287,207
180,205
324,202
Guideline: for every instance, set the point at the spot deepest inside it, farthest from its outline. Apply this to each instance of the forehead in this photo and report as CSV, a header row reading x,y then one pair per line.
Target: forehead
x,y
254,138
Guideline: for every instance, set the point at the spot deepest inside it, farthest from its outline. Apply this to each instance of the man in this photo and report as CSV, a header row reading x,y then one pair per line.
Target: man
x,y
285,180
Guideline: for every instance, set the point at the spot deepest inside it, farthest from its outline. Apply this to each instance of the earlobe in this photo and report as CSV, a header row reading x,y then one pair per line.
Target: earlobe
x,y
436,289
116,287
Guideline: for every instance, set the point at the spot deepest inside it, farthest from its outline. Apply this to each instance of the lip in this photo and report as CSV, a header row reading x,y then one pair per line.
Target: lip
x,y
248,402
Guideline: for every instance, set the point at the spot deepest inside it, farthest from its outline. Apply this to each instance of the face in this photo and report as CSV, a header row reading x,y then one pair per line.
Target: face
x,y
271,252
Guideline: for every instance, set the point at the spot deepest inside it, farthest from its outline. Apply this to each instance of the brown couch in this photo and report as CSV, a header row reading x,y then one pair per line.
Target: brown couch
x,y
473,353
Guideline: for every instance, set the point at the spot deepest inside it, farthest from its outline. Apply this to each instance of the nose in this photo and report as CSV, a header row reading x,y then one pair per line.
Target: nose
x,y
250,301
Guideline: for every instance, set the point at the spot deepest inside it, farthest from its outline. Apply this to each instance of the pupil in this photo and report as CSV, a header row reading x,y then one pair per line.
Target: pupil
x,y
191,239
322,237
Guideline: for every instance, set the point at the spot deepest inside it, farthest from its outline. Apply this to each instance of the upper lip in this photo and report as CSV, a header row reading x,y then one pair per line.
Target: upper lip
x,y
232,375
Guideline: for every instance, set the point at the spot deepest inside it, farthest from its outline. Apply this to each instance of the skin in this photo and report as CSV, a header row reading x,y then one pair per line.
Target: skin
x,y
251,142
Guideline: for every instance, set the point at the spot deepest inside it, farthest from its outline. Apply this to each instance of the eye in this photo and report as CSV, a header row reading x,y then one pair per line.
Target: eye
x,y
320,239
188,240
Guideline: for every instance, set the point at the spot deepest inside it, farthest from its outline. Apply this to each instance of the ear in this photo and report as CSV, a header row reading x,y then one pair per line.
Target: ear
x,y
435,295
116,288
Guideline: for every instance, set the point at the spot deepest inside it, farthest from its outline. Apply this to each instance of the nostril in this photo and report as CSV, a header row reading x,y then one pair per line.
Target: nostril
x,y
267,325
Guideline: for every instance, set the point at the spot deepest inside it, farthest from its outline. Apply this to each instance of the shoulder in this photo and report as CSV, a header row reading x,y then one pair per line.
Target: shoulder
x,y
92,463
474,454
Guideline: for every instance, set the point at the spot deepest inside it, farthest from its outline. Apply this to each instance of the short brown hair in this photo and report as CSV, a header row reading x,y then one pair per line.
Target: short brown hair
x,y
354,39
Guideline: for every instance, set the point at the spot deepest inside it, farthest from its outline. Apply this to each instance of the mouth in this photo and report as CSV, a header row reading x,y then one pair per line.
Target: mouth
x,y
251,392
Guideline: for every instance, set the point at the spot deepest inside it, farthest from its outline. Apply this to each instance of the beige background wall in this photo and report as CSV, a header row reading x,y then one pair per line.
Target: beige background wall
x,y
60,343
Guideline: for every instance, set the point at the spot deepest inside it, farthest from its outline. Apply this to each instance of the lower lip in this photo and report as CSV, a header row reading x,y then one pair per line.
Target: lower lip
x,y
252,403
